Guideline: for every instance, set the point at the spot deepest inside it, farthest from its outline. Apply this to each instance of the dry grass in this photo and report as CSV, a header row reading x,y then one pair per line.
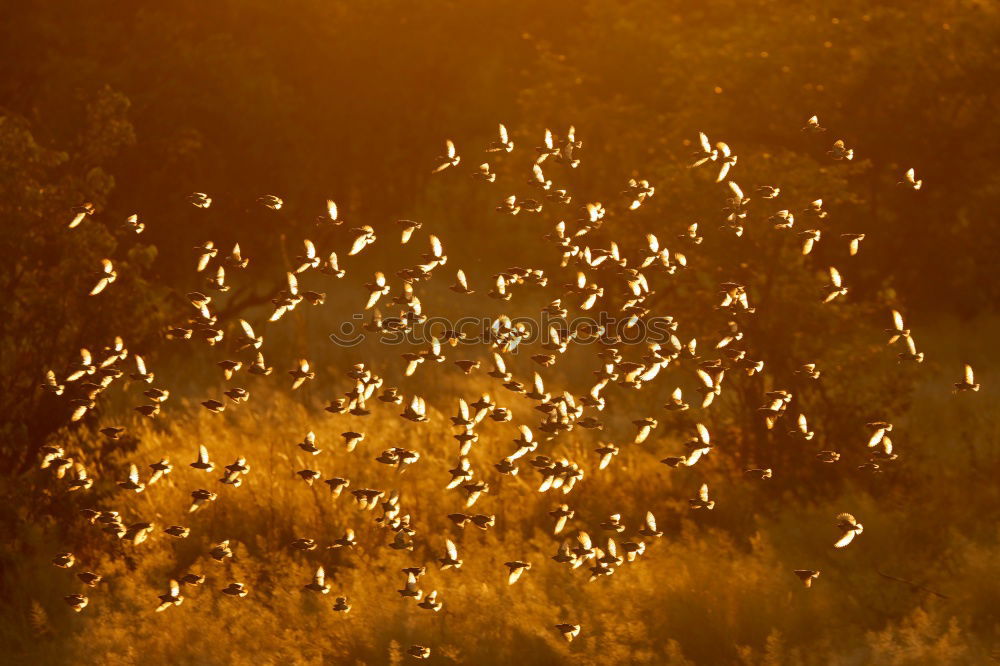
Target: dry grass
x,y
717,588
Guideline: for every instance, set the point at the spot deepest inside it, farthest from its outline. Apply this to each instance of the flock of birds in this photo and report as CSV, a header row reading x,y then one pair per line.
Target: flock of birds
x,y
605,275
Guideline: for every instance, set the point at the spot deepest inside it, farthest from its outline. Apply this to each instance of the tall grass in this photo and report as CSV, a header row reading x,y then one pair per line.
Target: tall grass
x,y
919,586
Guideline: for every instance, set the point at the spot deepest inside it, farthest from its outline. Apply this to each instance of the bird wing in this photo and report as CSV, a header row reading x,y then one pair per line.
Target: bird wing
x,y
359,244
835,277
703,492
451,549
897,319
503,134
539,384
653,243
969,377
331,209
703,435
133,473
310,248
99,287
595,390
845,539
703,140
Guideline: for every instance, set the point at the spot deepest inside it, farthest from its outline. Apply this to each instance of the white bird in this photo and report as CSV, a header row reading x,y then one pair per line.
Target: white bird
x,y
271,201
301,373
51,385
483,173
911,353
649,529
80,213
363,237
461,285
308,259
849,528
812,125
835,288
450,157
132,222
968,382
514,570
727,160
910,180
132,483
840,152
898,329
807,576
105,276
377,288
702,502
502,143
171,598
200,200
319,583
706,153
331,216
568,631
202,462
450,558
